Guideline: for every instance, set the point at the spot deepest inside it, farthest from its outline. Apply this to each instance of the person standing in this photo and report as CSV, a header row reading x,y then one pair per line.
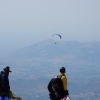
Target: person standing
x,y
64,80
5,82
58,86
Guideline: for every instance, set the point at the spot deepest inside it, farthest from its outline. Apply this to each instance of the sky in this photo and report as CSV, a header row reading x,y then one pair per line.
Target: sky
x,y
25,22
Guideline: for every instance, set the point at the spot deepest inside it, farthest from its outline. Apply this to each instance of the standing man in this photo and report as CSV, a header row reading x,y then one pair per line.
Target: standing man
x,y
5,82
64,80
58,86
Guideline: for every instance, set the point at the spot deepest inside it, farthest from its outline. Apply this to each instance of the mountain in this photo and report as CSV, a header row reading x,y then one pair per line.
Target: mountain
x,y
61,51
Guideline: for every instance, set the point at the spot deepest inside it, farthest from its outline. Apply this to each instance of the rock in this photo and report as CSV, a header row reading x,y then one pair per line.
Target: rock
x,y
15,97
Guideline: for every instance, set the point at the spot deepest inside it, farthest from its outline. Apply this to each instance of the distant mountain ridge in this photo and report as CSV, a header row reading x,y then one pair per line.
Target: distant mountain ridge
x,y
64,51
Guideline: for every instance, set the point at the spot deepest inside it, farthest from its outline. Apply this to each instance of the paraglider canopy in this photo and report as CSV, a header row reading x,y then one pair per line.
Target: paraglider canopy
x,y
58,35
1,98
6,98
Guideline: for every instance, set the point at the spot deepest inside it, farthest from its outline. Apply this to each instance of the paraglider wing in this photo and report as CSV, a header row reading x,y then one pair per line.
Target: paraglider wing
x,y
58,35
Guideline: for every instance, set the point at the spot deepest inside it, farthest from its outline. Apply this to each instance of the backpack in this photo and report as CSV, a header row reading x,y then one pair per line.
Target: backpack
x,y
55,87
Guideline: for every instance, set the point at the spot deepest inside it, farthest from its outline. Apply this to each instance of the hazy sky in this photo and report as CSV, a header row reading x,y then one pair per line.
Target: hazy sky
x,y
25,22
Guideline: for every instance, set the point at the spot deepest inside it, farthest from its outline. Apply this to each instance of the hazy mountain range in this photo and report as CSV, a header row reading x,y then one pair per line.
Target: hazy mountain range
x,y
61,51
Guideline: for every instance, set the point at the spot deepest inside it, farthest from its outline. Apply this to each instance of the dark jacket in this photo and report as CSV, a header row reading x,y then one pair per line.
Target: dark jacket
x,y
5,82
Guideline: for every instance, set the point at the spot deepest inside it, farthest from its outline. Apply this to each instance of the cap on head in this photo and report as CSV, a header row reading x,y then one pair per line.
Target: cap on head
x,y
7,69
62,70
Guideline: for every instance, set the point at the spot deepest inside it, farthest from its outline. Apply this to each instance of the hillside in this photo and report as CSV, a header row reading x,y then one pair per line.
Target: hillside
x,y
63,51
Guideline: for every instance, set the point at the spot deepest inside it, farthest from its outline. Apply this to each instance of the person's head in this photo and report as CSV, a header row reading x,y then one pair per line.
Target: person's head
x,y
62,70
7,69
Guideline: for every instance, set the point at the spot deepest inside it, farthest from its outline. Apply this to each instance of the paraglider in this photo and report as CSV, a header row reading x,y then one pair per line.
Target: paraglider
x,y
58,35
